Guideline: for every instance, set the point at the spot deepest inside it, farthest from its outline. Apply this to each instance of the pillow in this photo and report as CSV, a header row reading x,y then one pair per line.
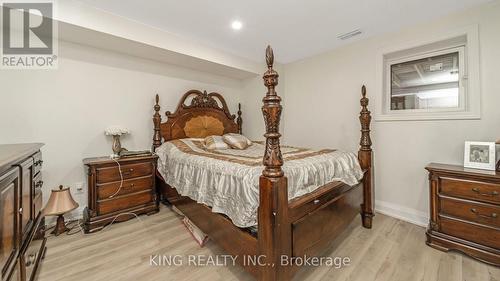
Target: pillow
x,y
215,142
237,141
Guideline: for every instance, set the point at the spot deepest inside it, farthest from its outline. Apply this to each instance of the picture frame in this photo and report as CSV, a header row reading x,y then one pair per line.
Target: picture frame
x,y
480,155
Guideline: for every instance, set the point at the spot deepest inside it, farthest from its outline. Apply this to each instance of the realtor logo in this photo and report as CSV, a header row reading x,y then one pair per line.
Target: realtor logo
x,y
28,36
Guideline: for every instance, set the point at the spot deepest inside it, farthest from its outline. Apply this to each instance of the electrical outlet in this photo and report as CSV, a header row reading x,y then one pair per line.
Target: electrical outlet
x,y
78,187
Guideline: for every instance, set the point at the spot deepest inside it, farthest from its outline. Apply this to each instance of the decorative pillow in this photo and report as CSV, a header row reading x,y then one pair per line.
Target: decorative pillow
x,y
237,141
215,142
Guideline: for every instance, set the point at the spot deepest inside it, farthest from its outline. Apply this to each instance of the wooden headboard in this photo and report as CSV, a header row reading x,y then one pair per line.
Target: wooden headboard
x,y
198,115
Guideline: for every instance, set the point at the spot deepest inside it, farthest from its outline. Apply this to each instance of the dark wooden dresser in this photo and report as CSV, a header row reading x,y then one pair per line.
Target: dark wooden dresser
x,y
22,234
465,211
106,200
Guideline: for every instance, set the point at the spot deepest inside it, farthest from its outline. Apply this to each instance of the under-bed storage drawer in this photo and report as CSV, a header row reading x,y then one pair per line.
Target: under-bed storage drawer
x,y
310,233
301,206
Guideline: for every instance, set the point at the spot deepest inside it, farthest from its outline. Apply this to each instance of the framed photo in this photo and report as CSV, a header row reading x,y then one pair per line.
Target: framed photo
x,y
480,155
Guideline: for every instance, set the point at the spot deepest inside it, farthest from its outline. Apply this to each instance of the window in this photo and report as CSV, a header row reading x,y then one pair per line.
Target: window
x,y
438,80
430,81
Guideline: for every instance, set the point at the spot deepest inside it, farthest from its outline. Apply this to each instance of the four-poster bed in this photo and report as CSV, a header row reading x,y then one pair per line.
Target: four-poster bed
x,y
302,226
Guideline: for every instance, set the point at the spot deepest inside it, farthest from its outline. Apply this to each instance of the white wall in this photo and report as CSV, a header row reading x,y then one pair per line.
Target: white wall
x,y
69,108
322,105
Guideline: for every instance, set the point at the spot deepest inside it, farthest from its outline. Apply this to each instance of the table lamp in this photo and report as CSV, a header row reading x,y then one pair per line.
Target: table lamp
x,y
60,203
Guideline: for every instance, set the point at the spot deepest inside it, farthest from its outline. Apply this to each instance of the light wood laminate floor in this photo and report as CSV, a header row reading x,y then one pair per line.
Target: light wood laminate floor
x,y
392,250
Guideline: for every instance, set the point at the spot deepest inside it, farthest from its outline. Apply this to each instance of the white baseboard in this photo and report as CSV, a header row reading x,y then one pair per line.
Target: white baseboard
x,y
403,213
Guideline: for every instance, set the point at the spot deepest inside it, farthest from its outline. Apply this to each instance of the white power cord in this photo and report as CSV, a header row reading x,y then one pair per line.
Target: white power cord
x,y
121,178
102,228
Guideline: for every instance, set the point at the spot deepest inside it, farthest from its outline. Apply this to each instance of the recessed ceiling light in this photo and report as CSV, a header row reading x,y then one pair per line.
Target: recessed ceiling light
x,y
236,25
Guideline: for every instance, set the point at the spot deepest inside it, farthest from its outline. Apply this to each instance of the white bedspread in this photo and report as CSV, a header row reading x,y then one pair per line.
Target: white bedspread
x,y
228,180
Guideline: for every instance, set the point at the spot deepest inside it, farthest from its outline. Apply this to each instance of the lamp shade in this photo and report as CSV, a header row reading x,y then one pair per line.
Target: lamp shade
x,y
60,202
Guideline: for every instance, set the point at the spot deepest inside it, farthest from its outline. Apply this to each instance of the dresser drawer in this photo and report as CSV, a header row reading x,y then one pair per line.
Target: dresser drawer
x,y
38,182
37,162
482,235
33,253
482,213
480,191
110,174
129,186
124,202
37,202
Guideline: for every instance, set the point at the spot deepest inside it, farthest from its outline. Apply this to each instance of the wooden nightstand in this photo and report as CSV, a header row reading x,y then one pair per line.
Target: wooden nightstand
x,y
105,198
465,211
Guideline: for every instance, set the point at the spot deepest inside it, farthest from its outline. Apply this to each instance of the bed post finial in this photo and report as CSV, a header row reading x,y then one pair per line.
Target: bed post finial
x,y
365,118
365,156
156,123
272,114
239,120
274,239
269,57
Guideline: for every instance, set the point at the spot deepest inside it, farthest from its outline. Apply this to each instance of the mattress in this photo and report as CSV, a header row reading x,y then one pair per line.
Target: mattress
x,y
228,180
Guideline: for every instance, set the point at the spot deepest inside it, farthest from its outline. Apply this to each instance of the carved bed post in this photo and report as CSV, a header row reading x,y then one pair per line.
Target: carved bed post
x,y
239,120
156,122
365,156
274,238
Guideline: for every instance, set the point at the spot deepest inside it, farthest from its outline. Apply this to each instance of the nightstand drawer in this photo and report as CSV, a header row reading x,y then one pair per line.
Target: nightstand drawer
x,y
129,186
473,190
124,202
482,213
471,232
110,174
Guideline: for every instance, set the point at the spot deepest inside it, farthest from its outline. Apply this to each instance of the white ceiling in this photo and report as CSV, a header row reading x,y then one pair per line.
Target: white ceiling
x,y
295,28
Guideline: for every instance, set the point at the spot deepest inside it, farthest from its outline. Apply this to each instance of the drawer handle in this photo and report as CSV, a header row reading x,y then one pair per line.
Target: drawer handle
x,y
39,184
492,216
493,193
128,172
316,201
130,186
39,163
30,260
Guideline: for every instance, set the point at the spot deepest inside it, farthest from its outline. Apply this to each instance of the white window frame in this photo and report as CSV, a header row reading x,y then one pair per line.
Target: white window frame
x,y
469,80
461,81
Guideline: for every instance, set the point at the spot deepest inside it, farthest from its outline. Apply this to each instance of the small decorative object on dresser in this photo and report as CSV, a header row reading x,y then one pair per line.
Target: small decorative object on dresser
x,y
60,203
118,189
22,234
480,155
116,132
465,211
